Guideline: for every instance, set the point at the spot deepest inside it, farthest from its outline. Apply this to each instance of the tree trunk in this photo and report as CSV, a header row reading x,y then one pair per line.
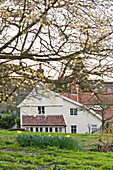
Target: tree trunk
x,y
103,120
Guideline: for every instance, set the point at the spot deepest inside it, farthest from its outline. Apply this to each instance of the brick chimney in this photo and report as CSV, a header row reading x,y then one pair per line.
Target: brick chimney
x,y
40,68
75,89
78,91
40,71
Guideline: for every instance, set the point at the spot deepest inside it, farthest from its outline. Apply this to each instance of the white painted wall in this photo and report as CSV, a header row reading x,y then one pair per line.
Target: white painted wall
x,y
41,97
82,120
56,105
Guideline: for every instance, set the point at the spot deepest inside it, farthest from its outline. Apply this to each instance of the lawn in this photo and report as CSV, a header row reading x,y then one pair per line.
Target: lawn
x,y
15,157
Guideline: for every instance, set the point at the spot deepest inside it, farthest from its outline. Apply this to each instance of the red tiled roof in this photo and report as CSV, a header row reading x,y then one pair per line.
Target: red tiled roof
x,y
108,114
70,96
90,99
43,121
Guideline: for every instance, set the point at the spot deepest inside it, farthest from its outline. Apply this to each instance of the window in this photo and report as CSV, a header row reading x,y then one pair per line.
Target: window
x,y
109,90
37,129
31,129
50,129
73,111
40,129
94,128
73,129
56,129
27,128
46,129
41,110
60,130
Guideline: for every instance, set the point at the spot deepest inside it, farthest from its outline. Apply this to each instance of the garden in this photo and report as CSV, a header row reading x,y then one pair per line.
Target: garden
x,y
51,151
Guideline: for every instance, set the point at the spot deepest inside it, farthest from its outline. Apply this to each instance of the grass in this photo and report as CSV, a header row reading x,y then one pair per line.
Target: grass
x,y
15,157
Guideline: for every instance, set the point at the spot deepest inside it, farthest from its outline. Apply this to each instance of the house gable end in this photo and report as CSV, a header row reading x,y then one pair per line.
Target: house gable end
x,y
41,95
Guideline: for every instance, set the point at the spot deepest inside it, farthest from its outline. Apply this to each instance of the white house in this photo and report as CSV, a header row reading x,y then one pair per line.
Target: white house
x,y
46,111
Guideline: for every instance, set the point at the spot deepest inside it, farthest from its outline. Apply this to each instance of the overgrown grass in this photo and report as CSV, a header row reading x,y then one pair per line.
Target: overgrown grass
x,y
42,142
15,157
56,159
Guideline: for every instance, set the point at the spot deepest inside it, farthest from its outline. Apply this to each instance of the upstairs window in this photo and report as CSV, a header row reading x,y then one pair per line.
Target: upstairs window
x,y
41,110
73,111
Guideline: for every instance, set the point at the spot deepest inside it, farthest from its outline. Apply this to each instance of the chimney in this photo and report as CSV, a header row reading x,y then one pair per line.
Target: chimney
x,y
78,93
73,88
40,71
40,68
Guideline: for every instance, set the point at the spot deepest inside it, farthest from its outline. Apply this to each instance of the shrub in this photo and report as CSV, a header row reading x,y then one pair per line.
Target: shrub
x,y
17,129
104,144
17,121
48,141
7,122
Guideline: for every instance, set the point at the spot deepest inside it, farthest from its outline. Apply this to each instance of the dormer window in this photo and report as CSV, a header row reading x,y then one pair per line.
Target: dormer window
x,y
41,110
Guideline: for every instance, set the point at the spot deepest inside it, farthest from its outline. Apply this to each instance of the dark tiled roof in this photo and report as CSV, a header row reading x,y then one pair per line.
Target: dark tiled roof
x,y
43,121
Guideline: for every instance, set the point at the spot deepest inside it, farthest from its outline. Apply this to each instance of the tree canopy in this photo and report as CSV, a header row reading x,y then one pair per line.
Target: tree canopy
x,y
60,34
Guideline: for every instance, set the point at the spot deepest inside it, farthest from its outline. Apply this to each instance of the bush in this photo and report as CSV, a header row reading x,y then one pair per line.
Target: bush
x,y
17,121
7,122
104,144
17,129
48,141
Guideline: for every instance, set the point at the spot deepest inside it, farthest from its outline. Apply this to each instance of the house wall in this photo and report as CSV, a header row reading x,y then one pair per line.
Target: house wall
x,y
49,109
42,97
55,105
83,120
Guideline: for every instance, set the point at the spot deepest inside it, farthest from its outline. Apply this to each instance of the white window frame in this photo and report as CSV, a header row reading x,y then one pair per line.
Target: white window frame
x,y
74,128
37,129
93,127
56,129
50,129
31,129
41,129
60,129
46,129
42,110
73,111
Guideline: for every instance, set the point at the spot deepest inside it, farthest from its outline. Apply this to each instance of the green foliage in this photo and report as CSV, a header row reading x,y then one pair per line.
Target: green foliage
x,y
104,143
7,122
15,157
94,147
57,160
17,121
48,141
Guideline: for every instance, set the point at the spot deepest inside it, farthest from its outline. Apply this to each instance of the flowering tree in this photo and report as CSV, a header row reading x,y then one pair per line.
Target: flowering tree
x,y
57,33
